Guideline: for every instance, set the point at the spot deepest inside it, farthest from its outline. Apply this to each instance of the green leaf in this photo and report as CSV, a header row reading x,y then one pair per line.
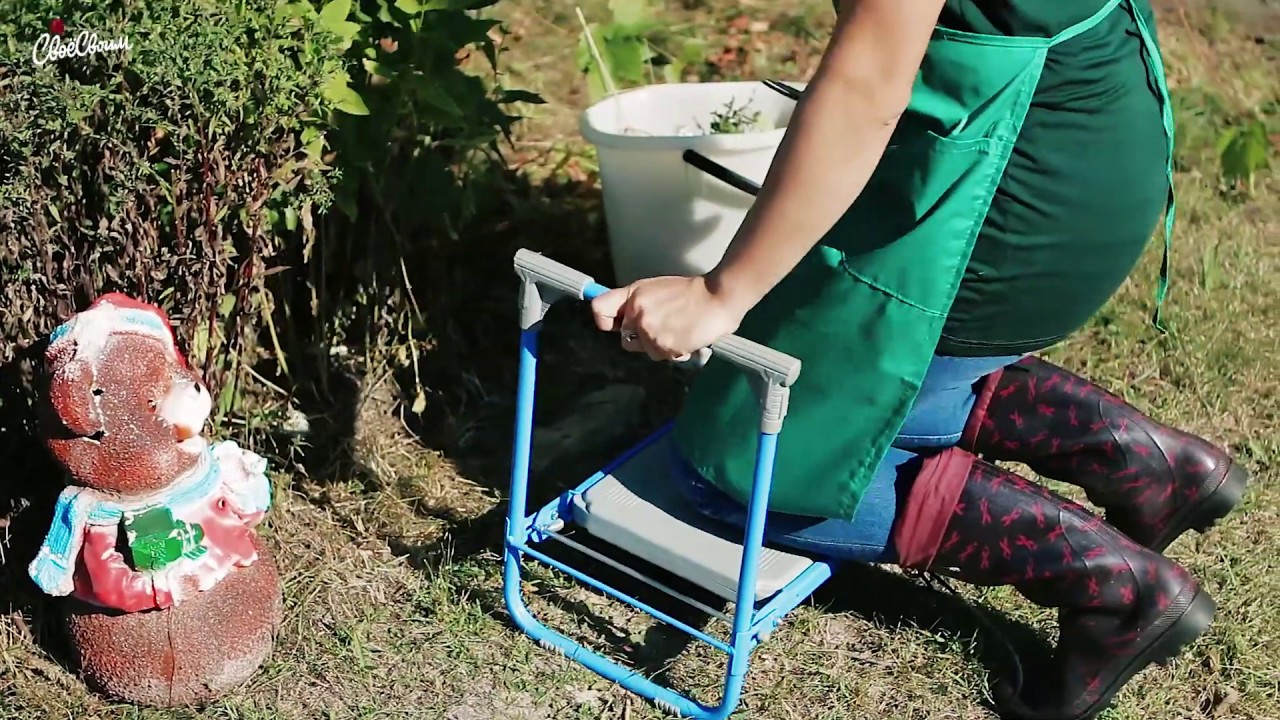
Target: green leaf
x,y
315,148
460,30
337,91
437,97
596,88
629,12
1245,154
290,219
626,58
226,304
333,14
227,398
1224,140
1211,269
376,68
333,20
347,31
693,51
343,197
200,341
413,7
296,10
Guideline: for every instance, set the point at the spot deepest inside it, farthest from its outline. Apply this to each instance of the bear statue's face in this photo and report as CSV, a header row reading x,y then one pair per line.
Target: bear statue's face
x,y
123,411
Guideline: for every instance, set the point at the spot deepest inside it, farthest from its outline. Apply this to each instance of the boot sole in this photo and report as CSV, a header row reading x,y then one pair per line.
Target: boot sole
x,y
1186,619
1181,628
1202,516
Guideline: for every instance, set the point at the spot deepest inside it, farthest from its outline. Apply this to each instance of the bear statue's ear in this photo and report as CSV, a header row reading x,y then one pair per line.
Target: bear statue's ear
x,y
73,396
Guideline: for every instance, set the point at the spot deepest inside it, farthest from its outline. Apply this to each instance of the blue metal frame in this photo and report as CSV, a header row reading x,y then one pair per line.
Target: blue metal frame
x,y
751,625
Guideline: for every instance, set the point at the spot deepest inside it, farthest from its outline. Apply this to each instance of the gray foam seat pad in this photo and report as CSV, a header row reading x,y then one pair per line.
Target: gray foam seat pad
x,y
640,509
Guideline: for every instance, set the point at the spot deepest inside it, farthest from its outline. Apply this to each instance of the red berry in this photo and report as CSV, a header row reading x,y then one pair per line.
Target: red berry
x,y
56,27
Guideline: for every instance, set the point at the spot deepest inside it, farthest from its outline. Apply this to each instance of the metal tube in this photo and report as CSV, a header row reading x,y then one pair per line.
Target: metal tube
x,y
637,575
744,613
623,597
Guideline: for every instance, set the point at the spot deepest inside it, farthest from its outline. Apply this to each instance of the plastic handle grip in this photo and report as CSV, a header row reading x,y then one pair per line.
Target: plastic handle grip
x,y
552,275
775,367
754,357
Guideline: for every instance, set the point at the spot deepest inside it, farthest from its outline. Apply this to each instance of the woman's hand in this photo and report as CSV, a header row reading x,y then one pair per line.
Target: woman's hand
x,y
667,318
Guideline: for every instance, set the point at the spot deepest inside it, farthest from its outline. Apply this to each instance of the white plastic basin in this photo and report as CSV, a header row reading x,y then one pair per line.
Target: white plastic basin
x,y
664,216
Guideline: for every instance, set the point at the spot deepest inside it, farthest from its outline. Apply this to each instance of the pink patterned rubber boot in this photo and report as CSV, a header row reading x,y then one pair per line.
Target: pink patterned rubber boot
x,y
1120,606
1155,482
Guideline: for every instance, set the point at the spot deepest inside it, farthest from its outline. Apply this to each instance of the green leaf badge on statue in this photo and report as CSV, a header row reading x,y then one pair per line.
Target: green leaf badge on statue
x,y
157,540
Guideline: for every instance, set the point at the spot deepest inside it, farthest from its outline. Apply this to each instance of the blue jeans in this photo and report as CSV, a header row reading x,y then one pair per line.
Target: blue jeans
x,y
936,421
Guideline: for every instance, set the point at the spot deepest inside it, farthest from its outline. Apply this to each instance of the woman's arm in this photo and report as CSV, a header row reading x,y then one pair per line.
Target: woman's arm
x,y
833,143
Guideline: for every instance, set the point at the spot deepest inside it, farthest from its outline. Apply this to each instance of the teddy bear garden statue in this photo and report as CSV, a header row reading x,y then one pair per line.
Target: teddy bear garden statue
x,y
172,599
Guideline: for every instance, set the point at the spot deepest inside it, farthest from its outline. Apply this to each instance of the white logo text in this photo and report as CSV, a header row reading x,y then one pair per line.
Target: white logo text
x,y
54,47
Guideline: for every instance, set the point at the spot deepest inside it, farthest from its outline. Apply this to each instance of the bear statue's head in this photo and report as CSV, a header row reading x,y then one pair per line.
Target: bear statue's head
x,y
123,409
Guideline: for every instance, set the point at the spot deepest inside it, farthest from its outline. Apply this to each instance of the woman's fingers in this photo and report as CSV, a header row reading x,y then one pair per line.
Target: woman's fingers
x,y
638,339
641,313
608,309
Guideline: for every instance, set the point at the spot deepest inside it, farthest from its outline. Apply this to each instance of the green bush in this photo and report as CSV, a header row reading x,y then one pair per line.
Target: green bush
x,y
161,171
202,170
202,161
411,113
417,143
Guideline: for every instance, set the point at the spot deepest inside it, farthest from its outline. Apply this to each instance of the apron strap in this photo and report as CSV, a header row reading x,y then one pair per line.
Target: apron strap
x,y
1156,65
1151,54
1085,25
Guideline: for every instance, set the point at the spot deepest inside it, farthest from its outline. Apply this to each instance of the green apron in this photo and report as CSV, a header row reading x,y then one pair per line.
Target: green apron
x,y
864,309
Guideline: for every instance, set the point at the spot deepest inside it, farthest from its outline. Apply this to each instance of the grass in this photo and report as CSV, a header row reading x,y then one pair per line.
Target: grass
x,y
388,535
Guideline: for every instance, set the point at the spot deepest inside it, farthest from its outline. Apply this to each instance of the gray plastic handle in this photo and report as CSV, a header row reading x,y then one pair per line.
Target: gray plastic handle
x,y
753,357
775,368
552,275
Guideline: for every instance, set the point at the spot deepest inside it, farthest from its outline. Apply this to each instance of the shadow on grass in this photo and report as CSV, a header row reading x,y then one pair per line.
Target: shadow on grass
x,y
900,602
464,313
467,294
653,653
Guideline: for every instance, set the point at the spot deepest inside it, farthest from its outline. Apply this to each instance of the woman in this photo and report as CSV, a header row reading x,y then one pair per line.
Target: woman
x,y
964,183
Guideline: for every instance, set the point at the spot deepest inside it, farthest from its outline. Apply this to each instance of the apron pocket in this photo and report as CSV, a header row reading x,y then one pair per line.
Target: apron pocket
x,y
919,215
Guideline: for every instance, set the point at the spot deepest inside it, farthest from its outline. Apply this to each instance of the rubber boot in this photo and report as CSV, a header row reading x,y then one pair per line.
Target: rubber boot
x,y
1154,482
1120,606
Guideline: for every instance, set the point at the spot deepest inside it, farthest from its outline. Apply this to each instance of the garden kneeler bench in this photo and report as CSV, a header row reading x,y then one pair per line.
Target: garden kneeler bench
x,y
634,504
